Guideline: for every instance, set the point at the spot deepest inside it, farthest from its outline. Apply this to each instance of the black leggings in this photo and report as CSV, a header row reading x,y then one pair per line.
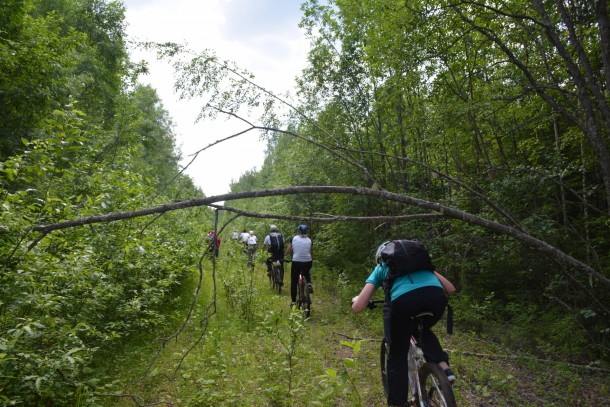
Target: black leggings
x,y
299,267
430,299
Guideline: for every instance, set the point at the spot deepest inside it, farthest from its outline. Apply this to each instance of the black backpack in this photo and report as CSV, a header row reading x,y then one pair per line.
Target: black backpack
x,y
403,257
276,246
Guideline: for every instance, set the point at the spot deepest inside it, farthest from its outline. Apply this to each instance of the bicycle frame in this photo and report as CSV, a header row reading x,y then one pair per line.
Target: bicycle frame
x,y
276,275
303,299
416,361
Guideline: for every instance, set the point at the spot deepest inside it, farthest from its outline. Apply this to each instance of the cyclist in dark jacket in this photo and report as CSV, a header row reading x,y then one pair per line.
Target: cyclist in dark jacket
x,y
274,245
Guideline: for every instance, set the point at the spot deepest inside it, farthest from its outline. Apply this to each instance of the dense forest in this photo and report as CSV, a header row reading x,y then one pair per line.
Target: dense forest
x,y
479,128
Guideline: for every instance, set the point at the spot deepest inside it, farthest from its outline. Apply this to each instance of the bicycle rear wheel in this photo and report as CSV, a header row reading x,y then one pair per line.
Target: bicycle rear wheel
x,y
436,389
383,362
303,297
273,279
276,274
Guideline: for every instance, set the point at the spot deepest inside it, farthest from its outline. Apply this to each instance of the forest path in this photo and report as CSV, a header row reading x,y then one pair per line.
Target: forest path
x,y
254,354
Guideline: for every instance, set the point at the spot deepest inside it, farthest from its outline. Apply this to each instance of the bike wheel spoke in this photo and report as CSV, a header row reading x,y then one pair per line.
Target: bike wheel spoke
x,y
436,387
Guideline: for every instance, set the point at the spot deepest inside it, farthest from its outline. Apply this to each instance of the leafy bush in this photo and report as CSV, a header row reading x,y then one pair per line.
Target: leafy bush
x,y
77,291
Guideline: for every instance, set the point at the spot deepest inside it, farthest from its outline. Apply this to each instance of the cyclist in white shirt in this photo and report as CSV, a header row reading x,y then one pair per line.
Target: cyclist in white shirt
x,y
252,241
251,246
244,237
301,248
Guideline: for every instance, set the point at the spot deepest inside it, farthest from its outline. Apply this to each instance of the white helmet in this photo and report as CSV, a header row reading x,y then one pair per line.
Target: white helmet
x,y
382,246
273,228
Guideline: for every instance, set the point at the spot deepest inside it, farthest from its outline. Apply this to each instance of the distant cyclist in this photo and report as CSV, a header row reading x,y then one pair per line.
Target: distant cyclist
x,y
274,245
244,238
252,245
301,248
214,243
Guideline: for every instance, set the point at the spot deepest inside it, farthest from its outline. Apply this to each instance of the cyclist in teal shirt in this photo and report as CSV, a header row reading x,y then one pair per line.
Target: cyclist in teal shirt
x,y
419,291
418,279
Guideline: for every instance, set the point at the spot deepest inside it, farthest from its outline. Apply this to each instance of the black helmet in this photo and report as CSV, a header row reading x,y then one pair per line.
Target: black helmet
x,y
303,229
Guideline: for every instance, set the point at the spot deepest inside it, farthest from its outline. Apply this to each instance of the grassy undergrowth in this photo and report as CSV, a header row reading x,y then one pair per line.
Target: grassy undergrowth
x,y
255,351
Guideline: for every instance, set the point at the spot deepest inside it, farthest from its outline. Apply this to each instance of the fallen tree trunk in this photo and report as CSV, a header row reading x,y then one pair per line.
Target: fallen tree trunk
x,y
552,252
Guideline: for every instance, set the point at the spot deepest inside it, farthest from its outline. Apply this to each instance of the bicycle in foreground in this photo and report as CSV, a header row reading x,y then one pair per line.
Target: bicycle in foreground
x,y
428,383
275,278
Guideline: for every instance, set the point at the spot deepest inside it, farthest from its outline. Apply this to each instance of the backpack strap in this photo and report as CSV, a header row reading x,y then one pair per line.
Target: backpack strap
x,y
449,319
387,311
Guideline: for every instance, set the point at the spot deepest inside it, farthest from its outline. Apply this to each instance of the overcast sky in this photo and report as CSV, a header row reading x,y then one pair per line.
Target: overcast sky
x,y
261,36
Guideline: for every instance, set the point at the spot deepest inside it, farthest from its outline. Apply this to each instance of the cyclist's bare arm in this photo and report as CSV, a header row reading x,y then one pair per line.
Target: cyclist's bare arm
x,y
361,301
447,286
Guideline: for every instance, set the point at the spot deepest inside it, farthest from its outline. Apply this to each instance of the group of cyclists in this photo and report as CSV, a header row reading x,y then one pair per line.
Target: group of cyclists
x,y
424,290
299,246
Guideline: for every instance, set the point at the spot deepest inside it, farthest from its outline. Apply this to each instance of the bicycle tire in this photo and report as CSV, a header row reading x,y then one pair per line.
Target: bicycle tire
x,y
303,297
276,272
272,279
383,363
436,388
300,293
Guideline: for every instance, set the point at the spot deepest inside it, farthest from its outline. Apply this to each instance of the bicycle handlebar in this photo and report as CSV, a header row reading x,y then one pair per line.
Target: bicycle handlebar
x,y
282,260
373,303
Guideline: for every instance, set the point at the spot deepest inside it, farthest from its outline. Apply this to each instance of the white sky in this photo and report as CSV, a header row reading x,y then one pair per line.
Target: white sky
x,y
260,36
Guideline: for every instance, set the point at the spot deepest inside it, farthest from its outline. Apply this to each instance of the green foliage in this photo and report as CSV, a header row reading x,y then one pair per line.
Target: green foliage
x,y
288,336
71,294
242,296
35,56
54,54
343,381
81,290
